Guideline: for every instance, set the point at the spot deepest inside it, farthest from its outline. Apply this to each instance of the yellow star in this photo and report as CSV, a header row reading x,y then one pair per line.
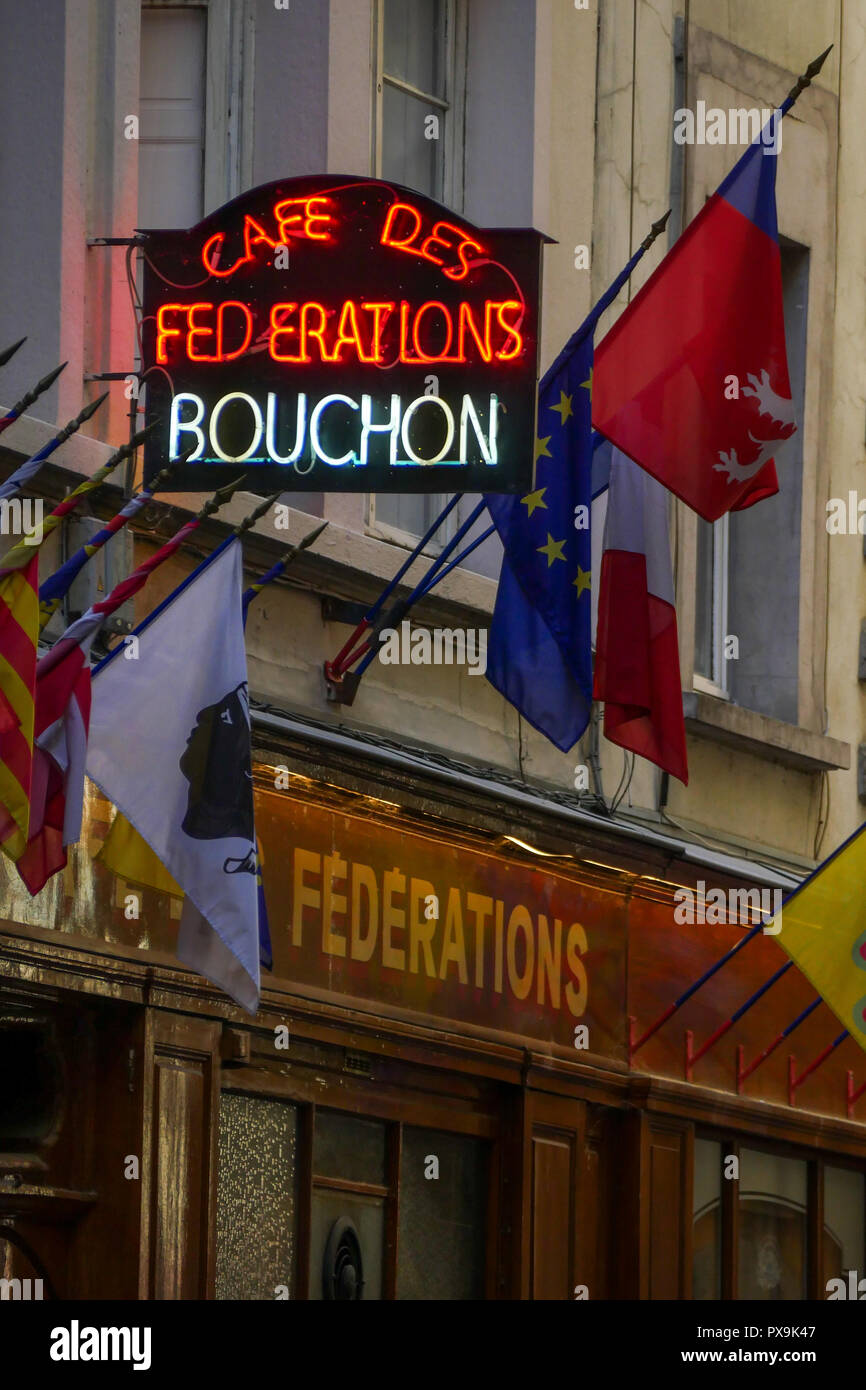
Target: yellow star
x,y
582,581
541,449
534,499
588,382
564,406
553,550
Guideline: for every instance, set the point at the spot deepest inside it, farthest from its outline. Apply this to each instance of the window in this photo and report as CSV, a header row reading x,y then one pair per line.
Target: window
x,y
772,1226
418,142
707,1212
759,1235
748,563
172,116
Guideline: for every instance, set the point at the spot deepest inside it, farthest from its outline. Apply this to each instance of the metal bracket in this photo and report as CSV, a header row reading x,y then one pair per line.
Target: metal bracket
x,y
341,610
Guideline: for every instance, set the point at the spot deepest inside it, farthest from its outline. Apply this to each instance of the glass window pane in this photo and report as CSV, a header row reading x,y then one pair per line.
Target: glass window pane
x,y
172,106
772,1255
367,1218
764,579
844,1222
411,512
707,1208
408,157
704,601
414,43
349,1148
442,1219
256,1197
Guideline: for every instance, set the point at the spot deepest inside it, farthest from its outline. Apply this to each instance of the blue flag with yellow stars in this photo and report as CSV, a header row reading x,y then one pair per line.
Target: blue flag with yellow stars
x,y
539,653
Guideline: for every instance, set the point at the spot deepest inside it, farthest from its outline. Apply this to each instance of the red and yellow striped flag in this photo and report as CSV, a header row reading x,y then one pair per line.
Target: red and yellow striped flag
x,y
19,635
19,632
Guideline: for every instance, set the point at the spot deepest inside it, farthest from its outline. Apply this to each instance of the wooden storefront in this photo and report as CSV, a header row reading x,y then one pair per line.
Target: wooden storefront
x,y
439,1075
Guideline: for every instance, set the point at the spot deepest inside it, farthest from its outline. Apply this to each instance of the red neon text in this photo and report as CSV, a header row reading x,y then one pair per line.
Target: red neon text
x,y
294,217
202,321
403,227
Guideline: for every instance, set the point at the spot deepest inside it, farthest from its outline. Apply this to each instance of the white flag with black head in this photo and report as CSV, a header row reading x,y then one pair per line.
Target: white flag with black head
x,y
170,747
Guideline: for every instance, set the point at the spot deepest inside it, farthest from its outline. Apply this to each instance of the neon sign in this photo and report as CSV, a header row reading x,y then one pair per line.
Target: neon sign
x,y
342,334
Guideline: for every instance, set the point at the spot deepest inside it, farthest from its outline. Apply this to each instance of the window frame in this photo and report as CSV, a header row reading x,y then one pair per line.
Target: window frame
x,y
716,683
732,1144
229,38
453,112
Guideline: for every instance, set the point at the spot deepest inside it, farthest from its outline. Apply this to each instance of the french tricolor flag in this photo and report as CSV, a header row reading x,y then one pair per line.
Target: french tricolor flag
x,y
637,663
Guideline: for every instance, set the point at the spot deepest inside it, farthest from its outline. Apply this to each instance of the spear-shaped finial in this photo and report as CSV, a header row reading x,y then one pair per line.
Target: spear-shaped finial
x,y
83,415
655,230
804,80
304,544
281,565
10,352
221,496
29,397
165,473
265,506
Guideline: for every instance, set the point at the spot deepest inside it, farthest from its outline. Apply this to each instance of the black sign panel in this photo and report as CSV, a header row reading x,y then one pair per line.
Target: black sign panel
x,y
338,334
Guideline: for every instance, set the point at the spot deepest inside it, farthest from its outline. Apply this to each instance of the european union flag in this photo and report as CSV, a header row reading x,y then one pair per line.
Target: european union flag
x,y
539,649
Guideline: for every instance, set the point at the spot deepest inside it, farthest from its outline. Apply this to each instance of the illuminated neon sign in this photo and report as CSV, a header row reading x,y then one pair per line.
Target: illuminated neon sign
x,y
342,334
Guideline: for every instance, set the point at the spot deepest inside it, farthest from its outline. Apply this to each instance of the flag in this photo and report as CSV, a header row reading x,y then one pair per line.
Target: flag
x,y
19,635
180,769
62,714
637,664
692,380
130,857
823,930
58,584
538,653
19,631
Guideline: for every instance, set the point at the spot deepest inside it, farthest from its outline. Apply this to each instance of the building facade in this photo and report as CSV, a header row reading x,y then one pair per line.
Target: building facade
x,y
441,1096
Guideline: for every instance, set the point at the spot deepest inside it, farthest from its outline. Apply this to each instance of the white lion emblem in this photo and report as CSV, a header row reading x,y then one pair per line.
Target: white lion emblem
x,y
781,412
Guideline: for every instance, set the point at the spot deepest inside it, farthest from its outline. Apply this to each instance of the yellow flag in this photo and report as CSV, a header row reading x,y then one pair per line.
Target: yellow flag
x,y
132,858
823,929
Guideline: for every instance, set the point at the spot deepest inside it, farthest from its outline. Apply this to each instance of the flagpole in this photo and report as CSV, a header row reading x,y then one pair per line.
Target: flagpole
x,y
11,351
804,80
215,502
281,565
28,399
729,955
337,669
31,467
55,587
744,1072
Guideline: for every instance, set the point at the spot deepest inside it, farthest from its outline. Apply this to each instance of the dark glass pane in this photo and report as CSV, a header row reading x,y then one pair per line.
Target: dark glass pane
x,y
349,1148
408,156
844,1223
414,44
256,1197
442,1221
707,1236
367,1216
704,601
764,549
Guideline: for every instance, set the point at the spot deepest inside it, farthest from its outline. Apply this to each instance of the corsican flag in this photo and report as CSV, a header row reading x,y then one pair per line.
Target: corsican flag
x,y
170,747
823,929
